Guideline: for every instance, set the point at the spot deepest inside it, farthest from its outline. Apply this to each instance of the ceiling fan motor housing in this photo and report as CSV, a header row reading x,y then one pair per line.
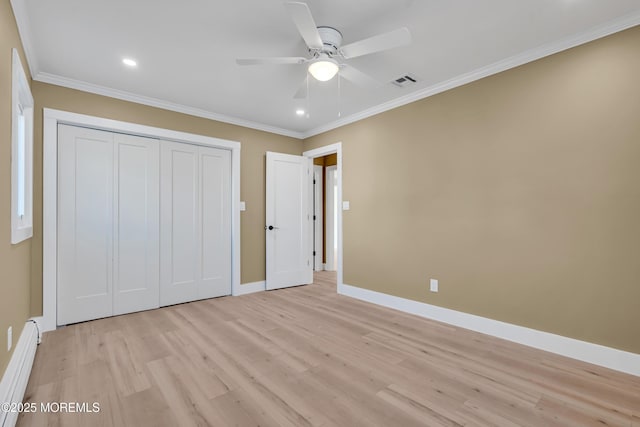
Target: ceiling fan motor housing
x,y
331,40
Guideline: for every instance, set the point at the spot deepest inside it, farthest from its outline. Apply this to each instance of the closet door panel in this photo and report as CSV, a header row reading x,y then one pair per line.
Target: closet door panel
x,y
179,260
136,228
85,224
215,196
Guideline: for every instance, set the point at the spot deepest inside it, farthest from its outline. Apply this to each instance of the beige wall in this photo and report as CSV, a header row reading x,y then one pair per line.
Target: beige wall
x,y
254,145
15,260
519,192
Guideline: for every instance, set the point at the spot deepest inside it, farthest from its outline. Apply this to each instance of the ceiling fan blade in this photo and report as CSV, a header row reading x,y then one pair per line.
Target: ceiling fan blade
x,y
356,76
301,15
395,38
272,60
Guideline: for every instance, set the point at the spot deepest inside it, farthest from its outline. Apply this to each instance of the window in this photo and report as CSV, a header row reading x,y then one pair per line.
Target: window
x,y
21,154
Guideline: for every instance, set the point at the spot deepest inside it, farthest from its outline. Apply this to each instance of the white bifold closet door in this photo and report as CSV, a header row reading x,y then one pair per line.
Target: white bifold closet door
x,y
142,223
108,214
195,254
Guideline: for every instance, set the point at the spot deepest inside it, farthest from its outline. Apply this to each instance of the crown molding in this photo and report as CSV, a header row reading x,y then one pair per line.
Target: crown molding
x,y
614,26
159,103
611,27
24,30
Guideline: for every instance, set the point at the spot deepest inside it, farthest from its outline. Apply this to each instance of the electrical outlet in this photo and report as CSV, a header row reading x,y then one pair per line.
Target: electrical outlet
x,y
9,338
433,285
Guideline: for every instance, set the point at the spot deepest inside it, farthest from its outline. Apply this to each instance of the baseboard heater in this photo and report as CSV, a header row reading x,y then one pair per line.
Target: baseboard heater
x,y
15,379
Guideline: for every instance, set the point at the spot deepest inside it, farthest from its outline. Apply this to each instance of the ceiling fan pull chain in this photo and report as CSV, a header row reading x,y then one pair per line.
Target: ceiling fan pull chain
x,y
339,96
308,95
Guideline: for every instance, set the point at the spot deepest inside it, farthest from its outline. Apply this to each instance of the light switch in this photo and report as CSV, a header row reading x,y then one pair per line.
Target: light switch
x,y
243,206
345,205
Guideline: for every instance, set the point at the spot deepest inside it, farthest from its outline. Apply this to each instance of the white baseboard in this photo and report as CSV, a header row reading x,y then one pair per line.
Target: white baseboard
x,y
588,352
15,378
40,325
250,288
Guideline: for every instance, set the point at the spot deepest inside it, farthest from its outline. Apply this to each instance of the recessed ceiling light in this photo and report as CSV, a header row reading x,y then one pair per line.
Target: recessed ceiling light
x,y
129,62
300,112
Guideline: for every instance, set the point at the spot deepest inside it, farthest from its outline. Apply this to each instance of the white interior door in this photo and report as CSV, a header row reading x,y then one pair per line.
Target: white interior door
x,y
179,213
214,236
331,229
107,224
85,224
288,219
195,254
318,208
136,224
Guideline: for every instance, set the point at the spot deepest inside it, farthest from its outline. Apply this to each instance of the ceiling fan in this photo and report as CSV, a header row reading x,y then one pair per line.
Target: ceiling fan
x,y
325,49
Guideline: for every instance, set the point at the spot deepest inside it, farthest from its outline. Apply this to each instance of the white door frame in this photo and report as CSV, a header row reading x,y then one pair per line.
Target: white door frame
x,y
318,201
50,193
320,152
331,204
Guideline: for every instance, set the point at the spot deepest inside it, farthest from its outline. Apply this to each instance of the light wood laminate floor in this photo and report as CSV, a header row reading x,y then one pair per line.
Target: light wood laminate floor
x,y
306,356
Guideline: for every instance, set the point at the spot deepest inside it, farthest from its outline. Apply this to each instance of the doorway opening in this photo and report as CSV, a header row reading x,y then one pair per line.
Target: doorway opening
x,y
327,213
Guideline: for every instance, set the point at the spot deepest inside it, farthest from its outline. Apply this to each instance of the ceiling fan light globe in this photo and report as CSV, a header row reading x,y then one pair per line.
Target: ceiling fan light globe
x,y
324,69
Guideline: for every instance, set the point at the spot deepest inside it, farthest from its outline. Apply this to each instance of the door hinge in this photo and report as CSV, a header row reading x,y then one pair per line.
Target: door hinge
x,y
314,217
314,253
314,182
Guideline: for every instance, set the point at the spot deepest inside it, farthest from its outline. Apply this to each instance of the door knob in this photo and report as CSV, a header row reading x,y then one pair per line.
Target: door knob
x,y
271,227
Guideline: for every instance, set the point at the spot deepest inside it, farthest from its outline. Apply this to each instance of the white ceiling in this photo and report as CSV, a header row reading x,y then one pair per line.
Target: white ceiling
x,y
186,50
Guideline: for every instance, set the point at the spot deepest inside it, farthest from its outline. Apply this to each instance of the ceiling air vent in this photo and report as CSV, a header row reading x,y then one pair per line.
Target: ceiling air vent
x,y
405,80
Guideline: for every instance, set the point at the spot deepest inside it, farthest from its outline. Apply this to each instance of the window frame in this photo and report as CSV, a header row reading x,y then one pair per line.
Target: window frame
x,y
22,106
